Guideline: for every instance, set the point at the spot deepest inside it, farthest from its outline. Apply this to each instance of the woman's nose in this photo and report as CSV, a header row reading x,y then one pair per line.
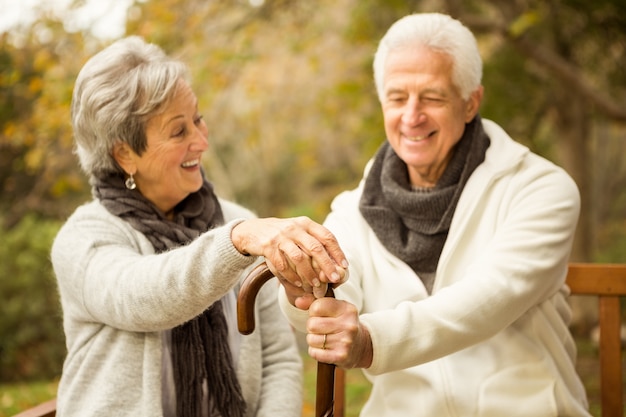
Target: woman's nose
x,y
200,140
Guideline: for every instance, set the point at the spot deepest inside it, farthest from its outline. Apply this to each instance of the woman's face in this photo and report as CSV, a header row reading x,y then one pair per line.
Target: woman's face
x,y
424,112
169,169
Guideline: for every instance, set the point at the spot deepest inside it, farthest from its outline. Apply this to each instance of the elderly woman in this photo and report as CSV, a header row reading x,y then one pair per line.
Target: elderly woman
x,y
458,240
147,271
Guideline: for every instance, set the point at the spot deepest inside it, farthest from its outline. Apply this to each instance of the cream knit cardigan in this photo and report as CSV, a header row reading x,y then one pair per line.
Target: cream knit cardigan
x,y
118,297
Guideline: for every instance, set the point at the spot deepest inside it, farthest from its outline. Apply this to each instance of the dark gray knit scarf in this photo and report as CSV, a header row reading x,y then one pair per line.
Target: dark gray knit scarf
x,y
414,225
200,350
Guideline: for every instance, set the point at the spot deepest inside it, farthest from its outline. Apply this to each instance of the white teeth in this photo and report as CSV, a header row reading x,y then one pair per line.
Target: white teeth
x,y
190,163
417,138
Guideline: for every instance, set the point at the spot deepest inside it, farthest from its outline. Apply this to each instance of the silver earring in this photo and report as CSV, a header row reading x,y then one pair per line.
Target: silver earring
x,y
130,182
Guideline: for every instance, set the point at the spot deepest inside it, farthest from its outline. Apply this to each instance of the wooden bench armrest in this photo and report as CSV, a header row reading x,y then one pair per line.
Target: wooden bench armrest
x,y
47,409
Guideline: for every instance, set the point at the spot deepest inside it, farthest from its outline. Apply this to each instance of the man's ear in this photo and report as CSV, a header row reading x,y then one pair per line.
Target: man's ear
x,y
473,104
124,156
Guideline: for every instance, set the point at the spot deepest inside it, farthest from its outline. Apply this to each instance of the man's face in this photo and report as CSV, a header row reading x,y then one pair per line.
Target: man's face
x,y
424,113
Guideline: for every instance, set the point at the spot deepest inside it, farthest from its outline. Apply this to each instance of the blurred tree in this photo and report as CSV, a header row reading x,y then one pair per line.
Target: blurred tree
x,y
37,165
287,91
556,75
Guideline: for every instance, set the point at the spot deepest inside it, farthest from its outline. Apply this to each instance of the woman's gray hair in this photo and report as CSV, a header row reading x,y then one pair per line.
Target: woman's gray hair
x,y
116,92
437,32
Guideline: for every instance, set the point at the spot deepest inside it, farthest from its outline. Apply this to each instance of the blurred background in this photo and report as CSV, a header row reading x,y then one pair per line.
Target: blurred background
x,y
286,89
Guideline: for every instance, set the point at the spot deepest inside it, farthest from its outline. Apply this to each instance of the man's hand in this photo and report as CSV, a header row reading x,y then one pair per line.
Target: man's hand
x,y
335,334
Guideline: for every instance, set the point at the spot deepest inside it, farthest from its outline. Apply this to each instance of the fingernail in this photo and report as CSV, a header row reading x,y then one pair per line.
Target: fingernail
x,y
298,284
316,282
335,276
344,263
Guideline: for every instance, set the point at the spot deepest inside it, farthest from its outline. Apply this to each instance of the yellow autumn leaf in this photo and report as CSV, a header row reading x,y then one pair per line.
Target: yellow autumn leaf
x,y
524,22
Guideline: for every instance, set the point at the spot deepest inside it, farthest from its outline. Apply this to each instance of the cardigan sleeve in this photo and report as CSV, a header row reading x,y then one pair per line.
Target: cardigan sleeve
x,y
108,273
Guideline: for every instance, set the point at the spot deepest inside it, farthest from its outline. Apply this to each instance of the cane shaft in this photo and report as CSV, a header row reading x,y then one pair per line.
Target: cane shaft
x,y
325,388
324,394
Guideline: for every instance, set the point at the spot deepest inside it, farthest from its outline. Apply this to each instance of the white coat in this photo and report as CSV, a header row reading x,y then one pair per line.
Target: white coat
x,y
492,339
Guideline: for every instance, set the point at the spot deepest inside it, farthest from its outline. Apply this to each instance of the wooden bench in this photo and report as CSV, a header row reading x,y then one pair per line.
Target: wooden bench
x,y
608,283
605,281
47,409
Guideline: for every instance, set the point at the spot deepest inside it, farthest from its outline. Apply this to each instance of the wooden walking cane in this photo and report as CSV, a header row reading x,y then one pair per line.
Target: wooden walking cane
x,y
245,321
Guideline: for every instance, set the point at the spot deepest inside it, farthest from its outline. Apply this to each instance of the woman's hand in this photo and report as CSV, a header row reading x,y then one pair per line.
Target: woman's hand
x,y
335,334
300,252
302,297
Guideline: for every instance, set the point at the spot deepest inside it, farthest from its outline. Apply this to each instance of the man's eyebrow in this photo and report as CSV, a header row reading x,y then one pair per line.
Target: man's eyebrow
x,y
435,90
394,90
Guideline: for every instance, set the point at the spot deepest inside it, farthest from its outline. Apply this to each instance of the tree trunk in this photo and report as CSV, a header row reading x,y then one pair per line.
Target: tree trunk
x,y
574,144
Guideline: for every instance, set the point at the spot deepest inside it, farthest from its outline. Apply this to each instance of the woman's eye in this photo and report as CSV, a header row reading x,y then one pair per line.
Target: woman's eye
x,y
198,119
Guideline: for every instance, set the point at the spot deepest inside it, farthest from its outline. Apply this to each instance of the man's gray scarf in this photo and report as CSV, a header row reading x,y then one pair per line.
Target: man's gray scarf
x,y
200,350
413,225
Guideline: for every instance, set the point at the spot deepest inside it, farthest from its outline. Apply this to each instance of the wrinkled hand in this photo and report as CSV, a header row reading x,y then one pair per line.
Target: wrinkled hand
x,y
335,334
302,297
300,252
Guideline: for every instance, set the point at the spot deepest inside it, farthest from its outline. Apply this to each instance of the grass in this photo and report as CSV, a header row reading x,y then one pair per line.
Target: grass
x,y
357,389
17,397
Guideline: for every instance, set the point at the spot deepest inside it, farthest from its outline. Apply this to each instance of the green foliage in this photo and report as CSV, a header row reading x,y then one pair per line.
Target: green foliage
x,y
507,80
371,18
614,245
31,333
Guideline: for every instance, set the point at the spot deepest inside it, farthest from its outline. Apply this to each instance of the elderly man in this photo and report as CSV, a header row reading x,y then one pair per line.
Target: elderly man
x,y
458,241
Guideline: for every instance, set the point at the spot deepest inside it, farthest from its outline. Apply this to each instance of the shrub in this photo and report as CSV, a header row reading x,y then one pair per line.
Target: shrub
x,y
31,335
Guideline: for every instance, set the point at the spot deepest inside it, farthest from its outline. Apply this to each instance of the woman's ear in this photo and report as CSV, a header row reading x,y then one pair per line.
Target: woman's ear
x,y
473,104
124,156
